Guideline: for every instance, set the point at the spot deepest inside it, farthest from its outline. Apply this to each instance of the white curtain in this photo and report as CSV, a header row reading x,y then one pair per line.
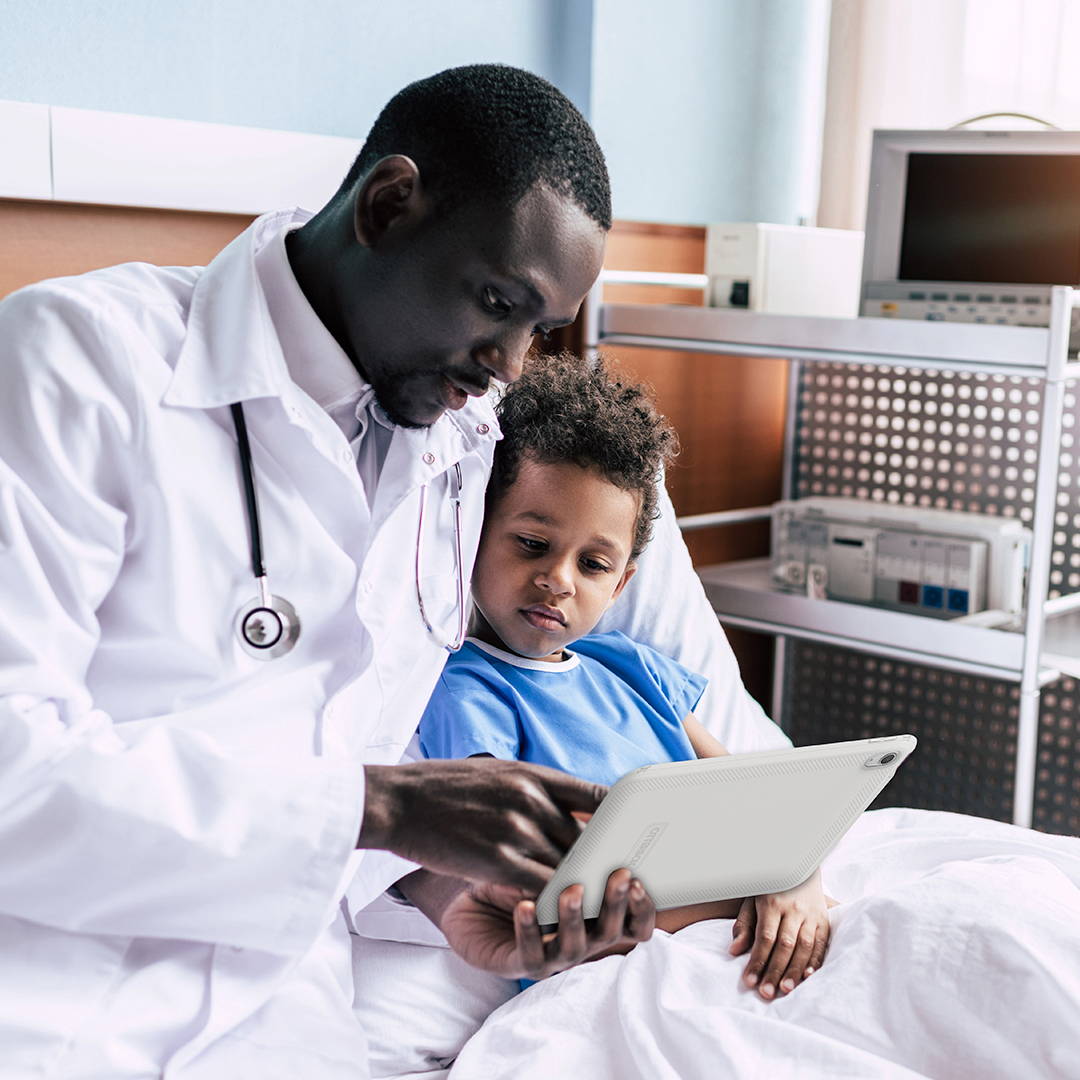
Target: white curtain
x,y
918,64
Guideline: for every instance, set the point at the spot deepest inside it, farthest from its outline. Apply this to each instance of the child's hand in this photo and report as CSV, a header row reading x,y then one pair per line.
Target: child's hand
x,y
789,932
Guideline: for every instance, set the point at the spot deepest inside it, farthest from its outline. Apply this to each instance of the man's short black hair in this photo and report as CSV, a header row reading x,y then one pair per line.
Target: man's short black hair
x,y
490,131
568,410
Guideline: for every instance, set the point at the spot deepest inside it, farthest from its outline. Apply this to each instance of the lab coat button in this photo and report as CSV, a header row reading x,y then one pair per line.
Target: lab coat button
x,y
482,429
347,455
429,458
368,587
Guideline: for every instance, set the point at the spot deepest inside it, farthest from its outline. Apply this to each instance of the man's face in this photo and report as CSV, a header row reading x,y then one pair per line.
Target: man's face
x,y
456,301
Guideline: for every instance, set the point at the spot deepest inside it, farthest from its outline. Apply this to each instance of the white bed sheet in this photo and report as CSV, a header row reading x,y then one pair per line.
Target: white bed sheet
x,y
955,953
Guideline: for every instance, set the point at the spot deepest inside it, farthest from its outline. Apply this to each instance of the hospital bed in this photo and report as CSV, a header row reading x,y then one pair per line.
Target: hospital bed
x,y
955,954
955,949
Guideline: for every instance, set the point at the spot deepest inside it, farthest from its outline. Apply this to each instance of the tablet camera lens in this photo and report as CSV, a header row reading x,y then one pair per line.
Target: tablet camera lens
x,y
887,759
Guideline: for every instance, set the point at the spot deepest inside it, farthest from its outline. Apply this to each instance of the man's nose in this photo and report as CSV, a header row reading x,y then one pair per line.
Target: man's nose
x,y
505,359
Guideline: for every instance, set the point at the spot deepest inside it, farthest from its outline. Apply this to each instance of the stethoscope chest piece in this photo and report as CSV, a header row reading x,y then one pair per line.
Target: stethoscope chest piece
x,y
267,627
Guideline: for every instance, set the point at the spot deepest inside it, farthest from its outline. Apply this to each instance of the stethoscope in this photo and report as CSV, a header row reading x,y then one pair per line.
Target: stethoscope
x,y
436,635
267,626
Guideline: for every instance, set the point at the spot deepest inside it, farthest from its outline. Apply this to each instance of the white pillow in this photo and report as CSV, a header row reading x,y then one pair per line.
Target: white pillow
x,y
419,1004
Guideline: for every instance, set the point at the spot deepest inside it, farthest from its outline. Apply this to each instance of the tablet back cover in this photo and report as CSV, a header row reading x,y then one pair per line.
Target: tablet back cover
x,y
718,828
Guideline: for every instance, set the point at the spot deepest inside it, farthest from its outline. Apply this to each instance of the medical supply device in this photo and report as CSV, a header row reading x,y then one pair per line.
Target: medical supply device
x,y
268,626
972,226
725,827
434,632
784,269
941,563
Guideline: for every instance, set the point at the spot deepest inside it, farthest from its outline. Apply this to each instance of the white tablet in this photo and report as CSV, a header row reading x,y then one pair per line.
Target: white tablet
x,y
718,828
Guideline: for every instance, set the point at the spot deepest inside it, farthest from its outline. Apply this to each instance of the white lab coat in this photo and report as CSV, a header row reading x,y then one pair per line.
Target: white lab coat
x,y
177,819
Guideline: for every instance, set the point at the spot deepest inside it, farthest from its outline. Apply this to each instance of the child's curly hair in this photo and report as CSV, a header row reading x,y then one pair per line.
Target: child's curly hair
x,y
568,409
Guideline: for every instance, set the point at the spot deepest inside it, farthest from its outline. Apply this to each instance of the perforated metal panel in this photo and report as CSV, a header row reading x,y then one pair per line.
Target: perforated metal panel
x,y
946,439
1057,776
966,726
951,440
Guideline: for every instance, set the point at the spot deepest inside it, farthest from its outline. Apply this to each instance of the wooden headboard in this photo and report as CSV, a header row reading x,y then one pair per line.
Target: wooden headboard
x,y
43,239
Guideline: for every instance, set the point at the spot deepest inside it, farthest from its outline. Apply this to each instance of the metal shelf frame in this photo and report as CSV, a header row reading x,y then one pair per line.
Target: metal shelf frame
x,y
742,594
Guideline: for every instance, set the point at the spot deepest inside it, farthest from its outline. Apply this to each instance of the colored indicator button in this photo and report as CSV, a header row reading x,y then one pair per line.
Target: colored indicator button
x,y
958,601
933,596
908,592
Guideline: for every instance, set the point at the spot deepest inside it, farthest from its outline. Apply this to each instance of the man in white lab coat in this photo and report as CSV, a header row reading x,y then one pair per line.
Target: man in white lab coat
x,y
180,821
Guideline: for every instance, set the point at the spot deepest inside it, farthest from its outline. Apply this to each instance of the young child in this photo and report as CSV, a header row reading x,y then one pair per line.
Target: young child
x,y
569,510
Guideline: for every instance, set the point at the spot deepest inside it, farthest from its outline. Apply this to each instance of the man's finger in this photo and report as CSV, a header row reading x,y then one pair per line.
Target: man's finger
x,y
530,944
612,920
570,945
518,871
570,793
640,913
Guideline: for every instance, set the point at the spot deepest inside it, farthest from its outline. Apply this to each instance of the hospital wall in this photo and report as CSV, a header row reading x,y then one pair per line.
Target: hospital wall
x,y
708,110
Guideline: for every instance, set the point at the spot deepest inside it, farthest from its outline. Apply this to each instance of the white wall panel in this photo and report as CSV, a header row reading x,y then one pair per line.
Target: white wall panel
x,y
115,158
24,151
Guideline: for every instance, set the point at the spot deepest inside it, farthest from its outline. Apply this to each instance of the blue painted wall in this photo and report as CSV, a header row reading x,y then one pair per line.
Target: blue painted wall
x,y
324,66
699,104
711,109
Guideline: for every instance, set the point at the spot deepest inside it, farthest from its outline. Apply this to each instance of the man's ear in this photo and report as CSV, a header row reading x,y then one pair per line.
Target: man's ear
x,y
390,199
628,573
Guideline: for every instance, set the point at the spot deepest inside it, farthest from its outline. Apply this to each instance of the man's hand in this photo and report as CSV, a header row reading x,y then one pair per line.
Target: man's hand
x,y
493,928
505,822
790,933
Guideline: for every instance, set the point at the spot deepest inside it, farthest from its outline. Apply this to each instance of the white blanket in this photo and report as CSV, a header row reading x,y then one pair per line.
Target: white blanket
x,y
955,953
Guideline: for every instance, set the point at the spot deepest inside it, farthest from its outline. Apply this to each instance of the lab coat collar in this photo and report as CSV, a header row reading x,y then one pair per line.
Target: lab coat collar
x,y
231,351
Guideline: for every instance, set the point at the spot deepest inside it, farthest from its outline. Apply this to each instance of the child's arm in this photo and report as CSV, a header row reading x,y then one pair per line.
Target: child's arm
x,y
704,744
789,931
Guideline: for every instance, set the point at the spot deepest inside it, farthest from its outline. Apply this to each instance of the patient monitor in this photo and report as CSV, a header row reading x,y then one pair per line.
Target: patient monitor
x,y
972,226
720,828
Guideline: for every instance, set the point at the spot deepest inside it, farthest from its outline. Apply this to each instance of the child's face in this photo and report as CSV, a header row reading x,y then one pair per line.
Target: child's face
x,y
554,555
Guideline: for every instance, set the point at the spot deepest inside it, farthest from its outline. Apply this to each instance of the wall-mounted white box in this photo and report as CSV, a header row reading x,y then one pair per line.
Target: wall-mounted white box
x,y
784,269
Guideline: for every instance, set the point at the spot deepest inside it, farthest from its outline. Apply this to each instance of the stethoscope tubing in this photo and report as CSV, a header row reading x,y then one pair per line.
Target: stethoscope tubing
x,y
454,480
258,568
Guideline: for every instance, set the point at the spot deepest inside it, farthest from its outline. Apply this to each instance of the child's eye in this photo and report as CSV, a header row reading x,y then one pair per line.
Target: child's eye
x,y
495,302
594,567
531,545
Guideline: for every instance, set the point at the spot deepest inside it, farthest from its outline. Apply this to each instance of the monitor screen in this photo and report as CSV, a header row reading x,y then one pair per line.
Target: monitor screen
x,y
992,218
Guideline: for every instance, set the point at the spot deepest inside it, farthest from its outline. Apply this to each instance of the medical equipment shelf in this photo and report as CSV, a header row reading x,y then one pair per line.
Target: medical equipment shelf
x,y
1006,350
744,595
744,592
